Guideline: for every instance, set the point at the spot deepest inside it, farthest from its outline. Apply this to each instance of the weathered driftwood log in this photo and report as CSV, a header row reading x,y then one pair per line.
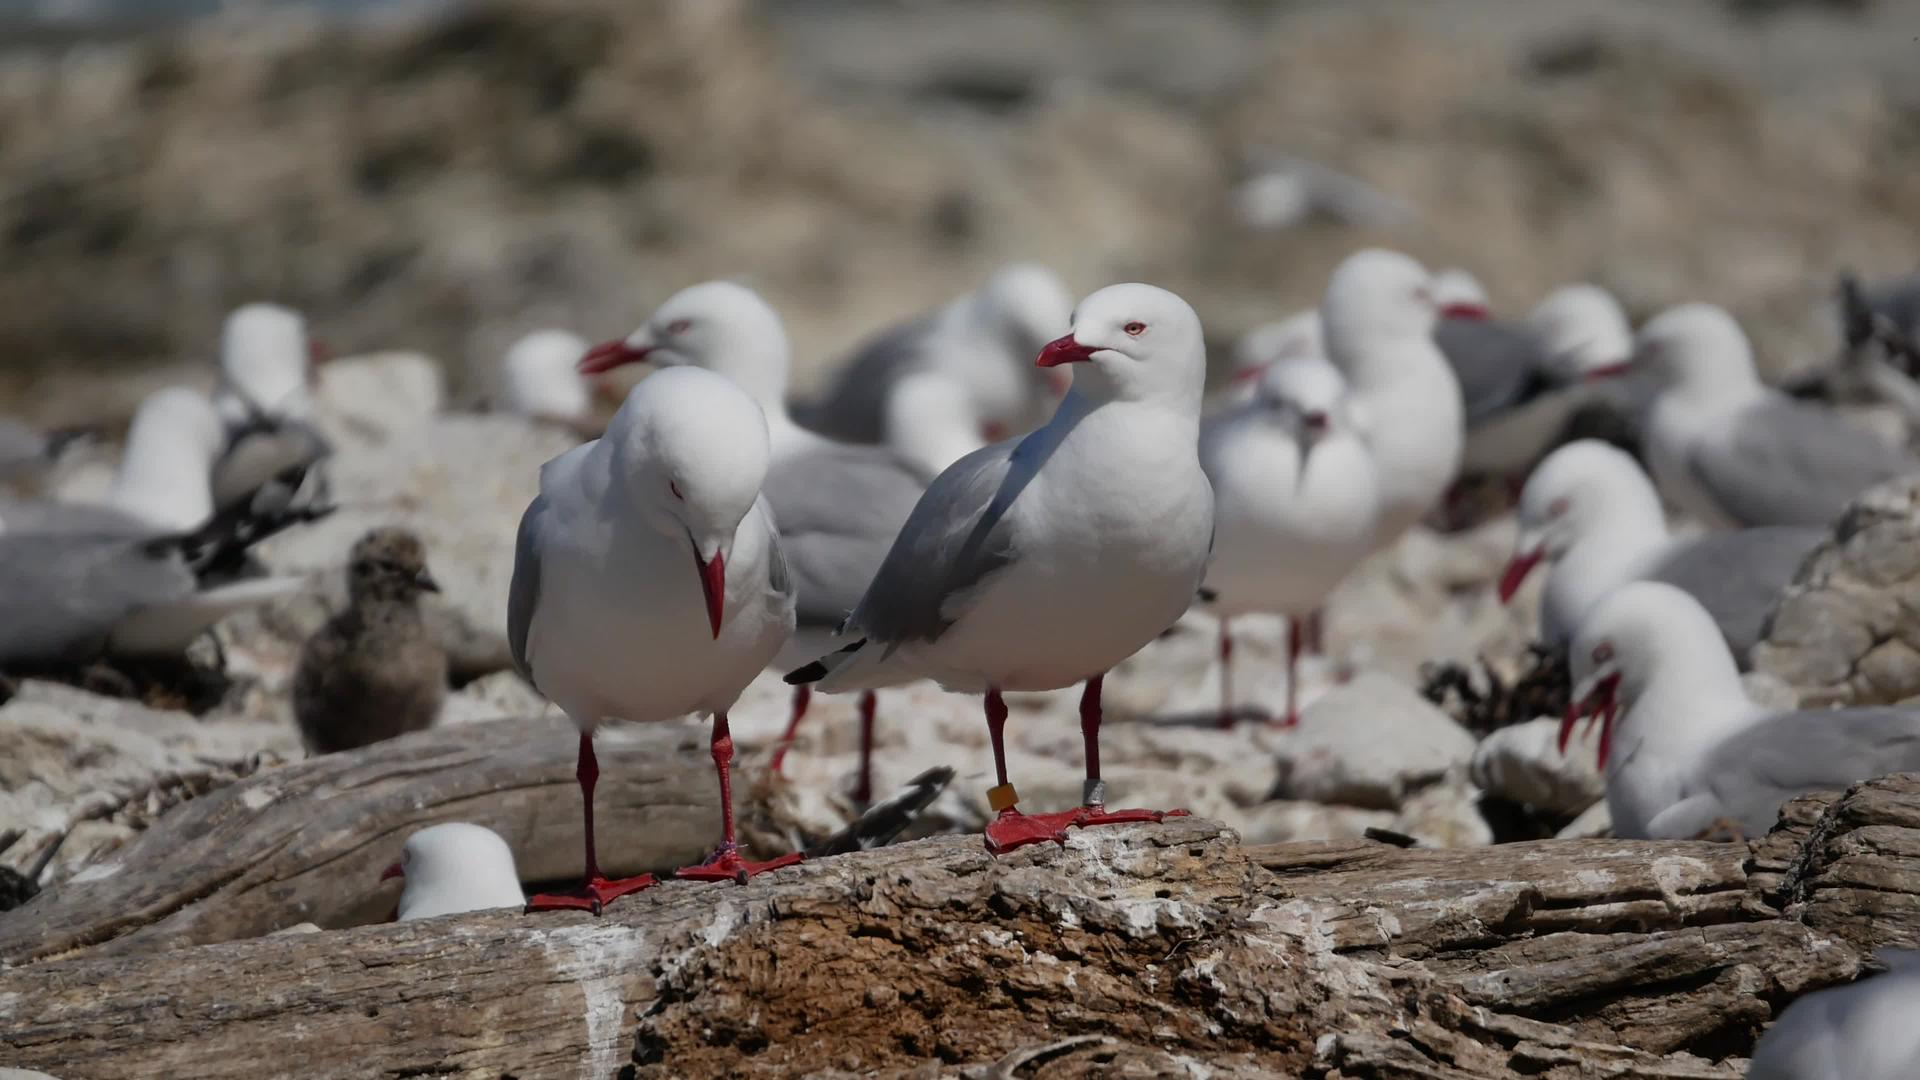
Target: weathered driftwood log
x,y
1138,950
306,843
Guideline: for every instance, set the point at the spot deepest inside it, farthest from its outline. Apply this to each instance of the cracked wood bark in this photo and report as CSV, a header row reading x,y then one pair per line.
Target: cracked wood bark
x,y
307,842
1172,943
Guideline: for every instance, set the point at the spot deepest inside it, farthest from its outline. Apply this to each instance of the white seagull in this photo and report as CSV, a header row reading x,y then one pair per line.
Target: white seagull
x,y
1294,505
1731,450
455,867
538,380
1684,749
265,402
1591,513
648,583
1860,1031
1379,314
1037,563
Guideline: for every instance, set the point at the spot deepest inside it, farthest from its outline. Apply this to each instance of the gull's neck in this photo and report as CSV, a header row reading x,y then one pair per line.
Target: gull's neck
x,y
1688,703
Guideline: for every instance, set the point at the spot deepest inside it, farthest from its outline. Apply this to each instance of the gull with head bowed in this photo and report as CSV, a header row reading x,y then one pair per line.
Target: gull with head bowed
x,y
1684,750
1730,450
648,583
942,385
1592,515
1037,563
839,505
1379,313
1294,505
1859,1031
452,868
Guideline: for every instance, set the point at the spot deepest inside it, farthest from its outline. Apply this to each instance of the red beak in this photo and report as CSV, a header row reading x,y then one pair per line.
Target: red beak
x,y
318,352
1468,311
1607,371
609,355
394,871
1249,374
1064,351
1517,570
713,582
1601,702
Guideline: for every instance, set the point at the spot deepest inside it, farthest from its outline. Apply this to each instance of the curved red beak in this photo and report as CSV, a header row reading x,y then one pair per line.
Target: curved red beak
x,y
394,871
1602,702
1468,311
713,582
1064,351
1517,570
609,355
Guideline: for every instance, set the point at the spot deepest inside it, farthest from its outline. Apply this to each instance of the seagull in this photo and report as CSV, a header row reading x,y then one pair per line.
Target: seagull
x,y
265,403
376,669
940,386
1523,382
838,505
538,380
1592,513
1860,1031
1294,505
1732,451
1039,562
1684,750
165,474
1379,315
1297,335
648,583
28,455
455,867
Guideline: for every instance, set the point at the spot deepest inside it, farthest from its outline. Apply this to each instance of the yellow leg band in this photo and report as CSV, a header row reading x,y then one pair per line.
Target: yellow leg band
x,y
1002,797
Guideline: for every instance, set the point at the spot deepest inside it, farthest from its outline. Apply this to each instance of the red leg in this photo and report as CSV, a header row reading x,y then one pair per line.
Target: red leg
x,y
597,891
725,864
1226,674
1012,829
863,789
1095,796
1316,640
802,696
1296,636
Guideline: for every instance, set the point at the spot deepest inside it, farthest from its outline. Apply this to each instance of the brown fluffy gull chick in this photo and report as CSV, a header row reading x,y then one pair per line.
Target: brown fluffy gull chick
x,y
375,670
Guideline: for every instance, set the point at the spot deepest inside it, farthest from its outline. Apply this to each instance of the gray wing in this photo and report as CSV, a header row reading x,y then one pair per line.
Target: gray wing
x,y
268,459
523,592
1786,462
61,595
956,537
54,518
1738,576
838,510
1755,770
1493,361
853,410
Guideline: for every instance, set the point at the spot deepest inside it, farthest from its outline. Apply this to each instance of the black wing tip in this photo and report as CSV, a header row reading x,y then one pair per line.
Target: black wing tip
x,y
814,672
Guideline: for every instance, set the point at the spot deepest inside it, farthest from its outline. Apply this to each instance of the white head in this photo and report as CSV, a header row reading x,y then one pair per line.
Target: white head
x,y
1582,332
453,868
1457,287
1580,490
1029,305
537,377
1377,301
166,475
1306,397
1646,637
1298,334
1697,349
692,450
717,325
1139,343
266,358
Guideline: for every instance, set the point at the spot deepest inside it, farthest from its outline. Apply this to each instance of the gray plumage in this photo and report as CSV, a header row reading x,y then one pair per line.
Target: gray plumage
x,y
376,669
1738,576
1495,362
523,592
854,408
61,594
1755,770
838,509
269,465
884,821
1789,463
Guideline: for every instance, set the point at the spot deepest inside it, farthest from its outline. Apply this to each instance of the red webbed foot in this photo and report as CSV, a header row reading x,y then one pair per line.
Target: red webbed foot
x,y
1013,829
727,865
1100,815
593,895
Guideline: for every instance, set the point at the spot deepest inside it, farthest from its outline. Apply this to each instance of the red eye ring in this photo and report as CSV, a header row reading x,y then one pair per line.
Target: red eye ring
x,y
1603,652
1135,329
678,326
675,488
1558,507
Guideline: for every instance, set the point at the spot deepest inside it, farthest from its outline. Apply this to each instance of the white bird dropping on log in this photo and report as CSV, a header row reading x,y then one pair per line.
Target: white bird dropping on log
x,y
1294,505
1037,563
648,583
1379,314
839,505
454,867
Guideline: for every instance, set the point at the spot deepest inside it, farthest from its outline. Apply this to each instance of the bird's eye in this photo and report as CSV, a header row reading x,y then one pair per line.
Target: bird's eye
x,y
678,326
1603,652
1557,507
1135,329
675,488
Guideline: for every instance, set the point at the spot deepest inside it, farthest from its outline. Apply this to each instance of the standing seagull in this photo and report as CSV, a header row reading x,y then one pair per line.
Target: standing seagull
x,y
838,505
1733,451
1036,563
165,474
1684,749
1592,513
1379,314
455,867
1294,505
648,583
375,670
